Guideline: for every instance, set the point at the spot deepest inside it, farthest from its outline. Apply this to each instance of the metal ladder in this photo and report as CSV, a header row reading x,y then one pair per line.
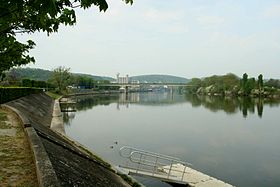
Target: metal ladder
x,y
153,164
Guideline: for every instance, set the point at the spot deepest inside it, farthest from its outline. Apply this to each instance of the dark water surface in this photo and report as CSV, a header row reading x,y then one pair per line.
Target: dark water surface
x,y
235,140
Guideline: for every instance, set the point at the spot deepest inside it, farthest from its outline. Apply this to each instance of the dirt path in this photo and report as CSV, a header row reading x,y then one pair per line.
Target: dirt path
x,y
16,162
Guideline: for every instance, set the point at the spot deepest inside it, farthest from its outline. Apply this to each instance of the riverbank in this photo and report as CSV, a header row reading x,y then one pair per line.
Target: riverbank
x,y
67,164
17,167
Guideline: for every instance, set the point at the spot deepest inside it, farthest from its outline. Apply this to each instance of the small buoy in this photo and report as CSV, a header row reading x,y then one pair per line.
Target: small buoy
x,y
116,142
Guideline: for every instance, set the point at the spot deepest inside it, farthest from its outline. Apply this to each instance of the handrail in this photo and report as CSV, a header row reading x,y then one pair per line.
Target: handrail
x,y
158,163
135,149
166,168
134,159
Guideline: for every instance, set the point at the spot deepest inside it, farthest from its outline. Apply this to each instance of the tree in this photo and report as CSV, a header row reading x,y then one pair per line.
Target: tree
x,y
249,86
230,81
84,81
61,77
194,84
274,83
13,78
260,82
34,83
28,16
13,53
244,80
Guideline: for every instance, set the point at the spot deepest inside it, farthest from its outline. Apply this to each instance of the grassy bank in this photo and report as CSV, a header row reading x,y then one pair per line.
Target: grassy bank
x,y
16,164
53,95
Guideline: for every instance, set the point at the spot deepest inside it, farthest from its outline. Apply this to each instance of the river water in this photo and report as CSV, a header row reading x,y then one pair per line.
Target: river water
x,y
235,140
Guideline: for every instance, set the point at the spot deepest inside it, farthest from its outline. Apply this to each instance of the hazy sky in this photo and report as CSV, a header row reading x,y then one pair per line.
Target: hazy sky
x,y
188,38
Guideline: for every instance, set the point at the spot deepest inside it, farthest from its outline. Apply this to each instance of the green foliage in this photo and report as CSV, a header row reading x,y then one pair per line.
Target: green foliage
x,y
61,78
31,73
195,84
29,16
11,93
53,95
245,78
85,82
230,84
215,84
11,79
244,81
103,82
44,75
13,53
230,81
100,87
247,84
35,84
274,83
260,81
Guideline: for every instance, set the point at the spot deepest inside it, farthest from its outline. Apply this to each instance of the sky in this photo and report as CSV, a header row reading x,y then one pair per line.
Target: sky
x,y
187,38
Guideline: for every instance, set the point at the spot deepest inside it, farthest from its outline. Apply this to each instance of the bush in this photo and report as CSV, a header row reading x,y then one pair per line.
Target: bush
x,y
11,93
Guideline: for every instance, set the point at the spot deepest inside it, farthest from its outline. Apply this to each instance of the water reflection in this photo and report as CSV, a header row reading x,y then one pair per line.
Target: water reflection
x,y
209,132
68,117
245,105
232,105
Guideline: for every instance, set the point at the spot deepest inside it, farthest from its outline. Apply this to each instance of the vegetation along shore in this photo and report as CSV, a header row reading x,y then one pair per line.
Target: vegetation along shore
x,y
232,85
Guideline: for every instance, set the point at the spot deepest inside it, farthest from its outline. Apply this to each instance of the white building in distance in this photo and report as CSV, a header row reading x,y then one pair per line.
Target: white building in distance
x,y
122,80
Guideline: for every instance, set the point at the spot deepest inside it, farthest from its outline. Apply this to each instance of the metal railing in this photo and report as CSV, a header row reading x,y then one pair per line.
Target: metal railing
x,y
153,163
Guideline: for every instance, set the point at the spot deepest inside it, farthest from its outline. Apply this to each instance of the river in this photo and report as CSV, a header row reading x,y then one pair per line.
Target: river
x,y
235,140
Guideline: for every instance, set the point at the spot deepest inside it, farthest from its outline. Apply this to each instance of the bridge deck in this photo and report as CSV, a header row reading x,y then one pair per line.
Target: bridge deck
x,y
191,177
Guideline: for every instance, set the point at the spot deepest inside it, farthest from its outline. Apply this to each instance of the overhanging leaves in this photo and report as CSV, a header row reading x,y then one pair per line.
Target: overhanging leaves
x,y
28,16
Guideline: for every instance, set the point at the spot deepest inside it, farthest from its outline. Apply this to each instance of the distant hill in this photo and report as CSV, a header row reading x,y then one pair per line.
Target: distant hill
x,y
44,75
159,79
95,77
31,73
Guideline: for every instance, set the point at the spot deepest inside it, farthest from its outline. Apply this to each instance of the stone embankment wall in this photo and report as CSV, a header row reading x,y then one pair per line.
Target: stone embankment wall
x,y
59,161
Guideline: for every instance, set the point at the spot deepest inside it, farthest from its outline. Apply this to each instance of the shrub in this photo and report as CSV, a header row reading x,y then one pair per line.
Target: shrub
x,y
11,93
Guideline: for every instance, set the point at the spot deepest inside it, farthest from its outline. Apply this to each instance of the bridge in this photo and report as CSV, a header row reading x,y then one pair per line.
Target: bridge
x,y
165,168
148,84
127,86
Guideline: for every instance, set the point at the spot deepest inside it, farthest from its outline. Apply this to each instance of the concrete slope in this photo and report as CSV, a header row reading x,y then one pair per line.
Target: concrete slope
x,y
72,166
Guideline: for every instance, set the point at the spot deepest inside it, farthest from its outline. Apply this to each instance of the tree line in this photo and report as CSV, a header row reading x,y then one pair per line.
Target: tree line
x,y
60,81
231,84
